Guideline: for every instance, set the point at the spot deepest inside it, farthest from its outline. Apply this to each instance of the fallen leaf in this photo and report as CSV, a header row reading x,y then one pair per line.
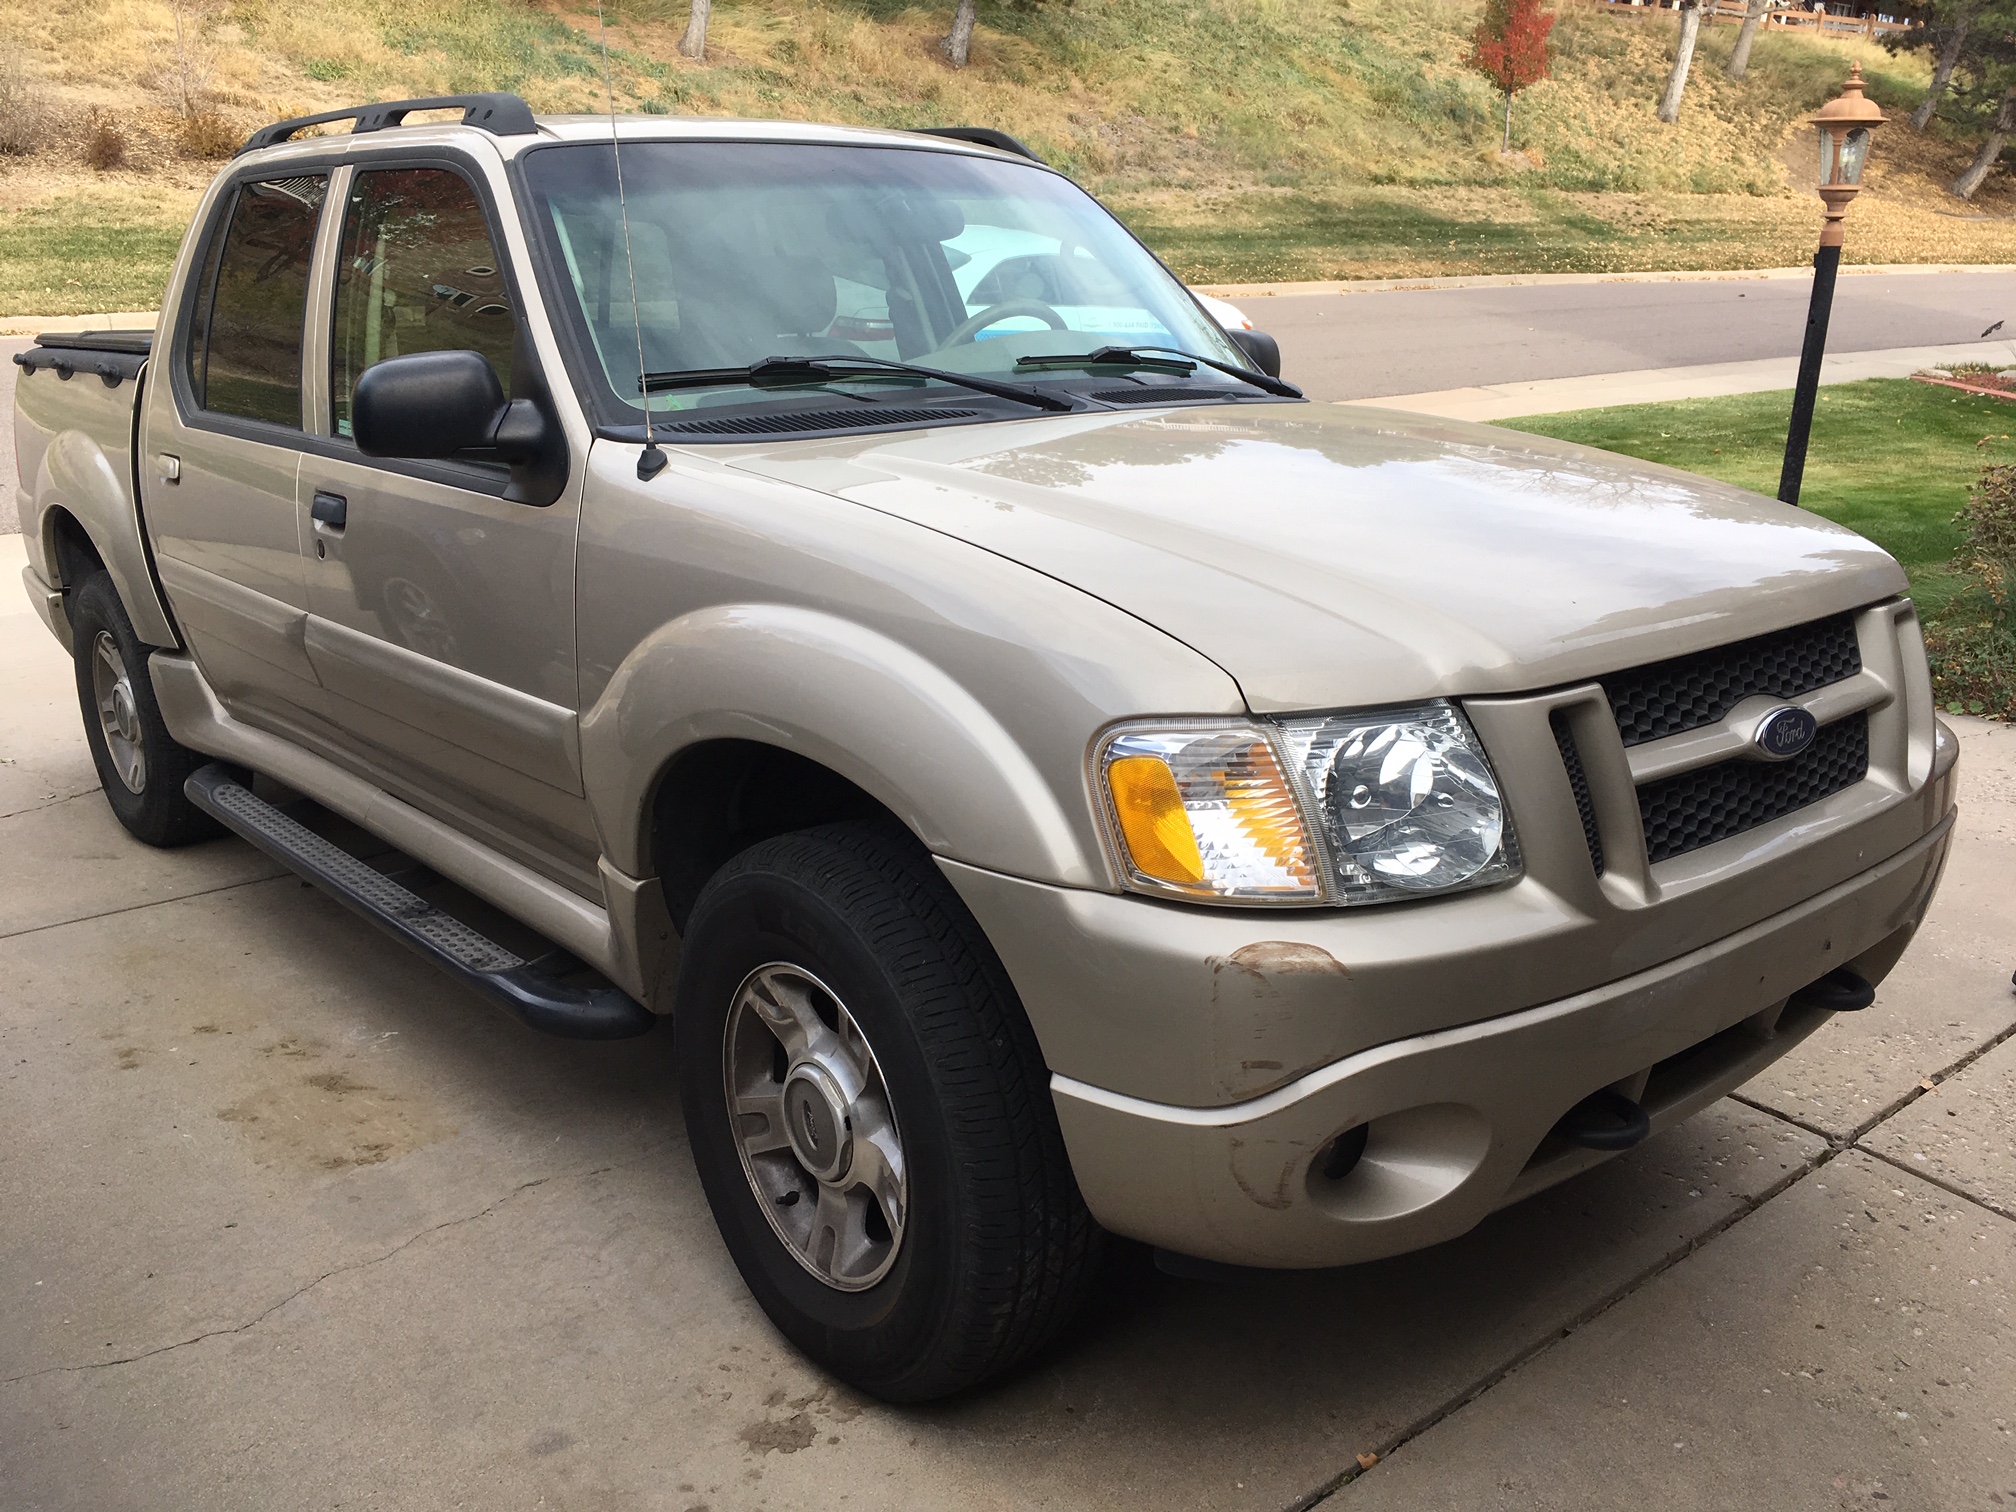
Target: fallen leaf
x,y
1367,1460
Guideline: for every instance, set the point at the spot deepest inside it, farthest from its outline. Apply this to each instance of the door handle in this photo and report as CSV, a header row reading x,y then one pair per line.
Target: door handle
x,y
331,510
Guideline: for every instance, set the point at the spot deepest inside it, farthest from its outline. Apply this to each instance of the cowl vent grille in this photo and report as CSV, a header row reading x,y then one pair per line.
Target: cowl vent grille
x,y
1165,394
1672,697
812,420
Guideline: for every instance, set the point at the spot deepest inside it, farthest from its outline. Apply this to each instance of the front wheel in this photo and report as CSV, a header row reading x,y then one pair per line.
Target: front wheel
x,y
140,765
871,1119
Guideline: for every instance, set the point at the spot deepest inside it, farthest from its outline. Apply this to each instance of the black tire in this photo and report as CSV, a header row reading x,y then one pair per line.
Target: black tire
x,y
997,1250
155,811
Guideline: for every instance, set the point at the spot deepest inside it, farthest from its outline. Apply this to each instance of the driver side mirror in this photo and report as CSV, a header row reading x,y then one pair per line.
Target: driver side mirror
x,y
434,405
1262,350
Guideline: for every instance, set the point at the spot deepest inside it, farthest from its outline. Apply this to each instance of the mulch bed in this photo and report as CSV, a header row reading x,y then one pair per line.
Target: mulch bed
x,y
1994,385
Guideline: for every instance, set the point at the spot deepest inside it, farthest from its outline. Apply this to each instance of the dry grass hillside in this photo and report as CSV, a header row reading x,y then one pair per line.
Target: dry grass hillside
x,y
1247,139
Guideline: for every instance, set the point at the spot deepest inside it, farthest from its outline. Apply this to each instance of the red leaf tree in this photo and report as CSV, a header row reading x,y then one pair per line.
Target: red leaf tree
x,y
1509,48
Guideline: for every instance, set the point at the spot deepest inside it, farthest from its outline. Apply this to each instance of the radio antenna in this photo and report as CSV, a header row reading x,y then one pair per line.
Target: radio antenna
x,y
652,461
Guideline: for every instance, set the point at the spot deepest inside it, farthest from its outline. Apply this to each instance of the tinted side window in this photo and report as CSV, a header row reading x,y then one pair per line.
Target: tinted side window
x,y
246,352
417,273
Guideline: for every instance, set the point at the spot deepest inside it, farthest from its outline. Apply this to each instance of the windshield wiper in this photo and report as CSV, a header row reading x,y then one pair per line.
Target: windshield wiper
x,y
1137,358
788,372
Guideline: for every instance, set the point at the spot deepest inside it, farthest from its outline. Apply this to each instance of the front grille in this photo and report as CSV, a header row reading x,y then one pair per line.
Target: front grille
x,y
1697,808
1671,697
812,420
1578,783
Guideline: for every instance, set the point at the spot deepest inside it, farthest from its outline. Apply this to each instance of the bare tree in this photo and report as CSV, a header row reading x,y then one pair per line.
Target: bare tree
x,y
694,43
959,45
1683,60
188,76
1738,66
1991,150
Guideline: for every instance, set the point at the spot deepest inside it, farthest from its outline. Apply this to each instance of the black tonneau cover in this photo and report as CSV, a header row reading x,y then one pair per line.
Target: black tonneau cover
x,y
110,355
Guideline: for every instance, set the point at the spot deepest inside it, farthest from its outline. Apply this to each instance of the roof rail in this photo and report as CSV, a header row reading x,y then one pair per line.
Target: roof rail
x,y
498,114
981,136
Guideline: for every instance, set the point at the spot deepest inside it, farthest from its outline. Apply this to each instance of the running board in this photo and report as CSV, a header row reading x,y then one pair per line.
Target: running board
x,y
552,1007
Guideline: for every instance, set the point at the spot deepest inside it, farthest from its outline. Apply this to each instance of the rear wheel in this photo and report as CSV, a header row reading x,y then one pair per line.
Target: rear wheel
x,y
140,765
871,1117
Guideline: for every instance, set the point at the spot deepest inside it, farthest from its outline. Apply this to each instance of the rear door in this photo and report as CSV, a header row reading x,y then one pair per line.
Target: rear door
x,y
441,613
221,437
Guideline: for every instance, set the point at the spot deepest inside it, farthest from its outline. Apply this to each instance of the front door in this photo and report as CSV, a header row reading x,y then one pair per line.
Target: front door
x,y
220,447
441,614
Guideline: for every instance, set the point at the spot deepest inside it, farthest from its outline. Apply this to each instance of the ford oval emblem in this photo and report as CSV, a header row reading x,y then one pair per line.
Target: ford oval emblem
x,y
1784,733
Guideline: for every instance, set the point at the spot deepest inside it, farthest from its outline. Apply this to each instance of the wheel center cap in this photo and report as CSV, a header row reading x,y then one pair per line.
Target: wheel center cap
x,y
816,1119
122,711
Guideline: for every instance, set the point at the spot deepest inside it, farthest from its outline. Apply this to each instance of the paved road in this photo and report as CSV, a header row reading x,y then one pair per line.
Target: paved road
x,y
1360,346
287,1221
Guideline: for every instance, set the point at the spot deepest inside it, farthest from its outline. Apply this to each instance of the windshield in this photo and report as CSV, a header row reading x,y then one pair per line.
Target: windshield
x,y
750,250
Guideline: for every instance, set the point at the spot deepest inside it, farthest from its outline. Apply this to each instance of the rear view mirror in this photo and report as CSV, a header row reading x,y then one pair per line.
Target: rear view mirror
x,y
429,404
1262,350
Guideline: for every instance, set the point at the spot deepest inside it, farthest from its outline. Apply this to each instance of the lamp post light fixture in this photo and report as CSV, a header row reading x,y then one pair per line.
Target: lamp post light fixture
x,y
1847,124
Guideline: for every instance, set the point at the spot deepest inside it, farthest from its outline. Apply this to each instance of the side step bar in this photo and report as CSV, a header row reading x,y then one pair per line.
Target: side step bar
x,y
597,1013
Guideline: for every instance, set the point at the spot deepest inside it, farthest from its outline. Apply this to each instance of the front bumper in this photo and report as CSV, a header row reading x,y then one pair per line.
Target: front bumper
x,y
1459,1119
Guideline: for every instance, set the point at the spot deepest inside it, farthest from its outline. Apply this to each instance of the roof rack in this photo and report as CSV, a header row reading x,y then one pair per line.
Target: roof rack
x,y
981,136
498,114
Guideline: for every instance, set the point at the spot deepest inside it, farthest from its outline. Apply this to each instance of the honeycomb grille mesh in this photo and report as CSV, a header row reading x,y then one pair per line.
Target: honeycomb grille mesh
x,y
1578,783
1670,697
1697,808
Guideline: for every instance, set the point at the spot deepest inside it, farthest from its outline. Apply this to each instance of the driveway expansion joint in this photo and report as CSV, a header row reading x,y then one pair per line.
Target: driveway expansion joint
x,y
1589,1314
306,1287
1837,1145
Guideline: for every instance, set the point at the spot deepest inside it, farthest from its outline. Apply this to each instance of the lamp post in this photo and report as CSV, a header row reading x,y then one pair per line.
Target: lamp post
x,y
1847,123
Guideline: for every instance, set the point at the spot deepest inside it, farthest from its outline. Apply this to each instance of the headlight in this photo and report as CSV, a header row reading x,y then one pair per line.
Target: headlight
x,y
1207,813
1407,802
1346,808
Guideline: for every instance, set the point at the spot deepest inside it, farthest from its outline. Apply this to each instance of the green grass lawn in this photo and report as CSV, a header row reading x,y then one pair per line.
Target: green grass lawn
x,y
1889,458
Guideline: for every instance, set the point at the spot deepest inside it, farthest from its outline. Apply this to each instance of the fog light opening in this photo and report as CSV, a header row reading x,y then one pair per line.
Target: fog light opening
x,y
1340,1158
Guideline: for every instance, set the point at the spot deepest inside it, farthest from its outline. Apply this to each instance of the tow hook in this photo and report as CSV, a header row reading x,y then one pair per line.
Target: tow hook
x,y
1605,1120
1840,991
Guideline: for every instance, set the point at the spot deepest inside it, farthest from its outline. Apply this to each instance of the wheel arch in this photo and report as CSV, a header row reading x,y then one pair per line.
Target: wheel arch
x,y
866,724
85,515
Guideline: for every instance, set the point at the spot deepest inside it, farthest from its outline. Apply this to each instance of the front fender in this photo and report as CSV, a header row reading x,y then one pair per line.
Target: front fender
x,y
865,706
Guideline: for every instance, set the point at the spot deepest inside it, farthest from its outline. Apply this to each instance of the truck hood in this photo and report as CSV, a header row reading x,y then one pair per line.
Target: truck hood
x,y
1327,555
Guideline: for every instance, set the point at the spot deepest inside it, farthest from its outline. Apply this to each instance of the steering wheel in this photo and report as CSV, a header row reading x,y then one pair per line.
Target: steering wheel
x,y
970,328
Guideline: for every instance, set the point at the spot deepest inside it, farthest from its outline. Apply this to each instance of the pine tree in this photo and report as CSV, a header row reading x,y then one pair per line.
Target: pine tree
x,y
1509,48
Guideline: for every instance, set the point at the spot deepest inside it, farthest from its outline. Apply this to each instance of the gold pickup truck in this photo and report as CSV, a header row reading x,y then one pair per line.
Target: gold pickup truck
x,y
836,590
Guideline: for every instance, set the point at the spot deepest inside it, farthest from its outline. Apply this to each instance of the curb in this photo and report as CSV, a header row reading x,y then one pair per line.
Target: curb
x,y
1523,280
118,320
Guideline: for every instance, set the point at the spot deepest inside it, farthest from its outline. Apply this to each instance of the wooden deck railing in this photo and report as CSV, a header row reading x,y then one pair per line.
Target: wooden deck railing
x,y
1732,11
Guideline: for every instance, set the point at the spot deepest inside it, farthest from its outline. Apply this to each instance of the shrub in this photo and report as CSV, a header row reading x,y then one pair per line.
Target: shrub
x,y
104,142
207,134
1973,648
1990,518
25,108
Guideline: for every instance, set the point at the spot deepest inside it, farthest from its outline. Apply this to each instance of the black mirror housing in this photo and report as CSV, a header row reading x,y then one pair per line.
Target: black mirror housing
x,y
426,405
436,405
1262,350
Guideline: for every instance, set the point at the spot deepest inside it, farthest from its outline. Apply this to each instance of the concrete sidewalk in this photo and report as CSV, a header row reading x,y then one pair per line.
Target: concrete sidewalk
x,y
1546,396
291,1222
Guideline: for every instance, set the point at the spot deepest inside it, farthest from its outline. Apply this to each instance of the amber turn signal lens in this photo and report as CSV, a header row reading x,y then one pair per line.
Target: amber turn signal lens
x,y
1152,819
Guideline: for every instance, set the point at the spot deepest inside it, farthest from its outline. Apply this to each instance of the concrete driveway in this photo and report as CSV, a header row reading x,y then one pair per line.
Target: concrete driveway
x,y
287,1221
